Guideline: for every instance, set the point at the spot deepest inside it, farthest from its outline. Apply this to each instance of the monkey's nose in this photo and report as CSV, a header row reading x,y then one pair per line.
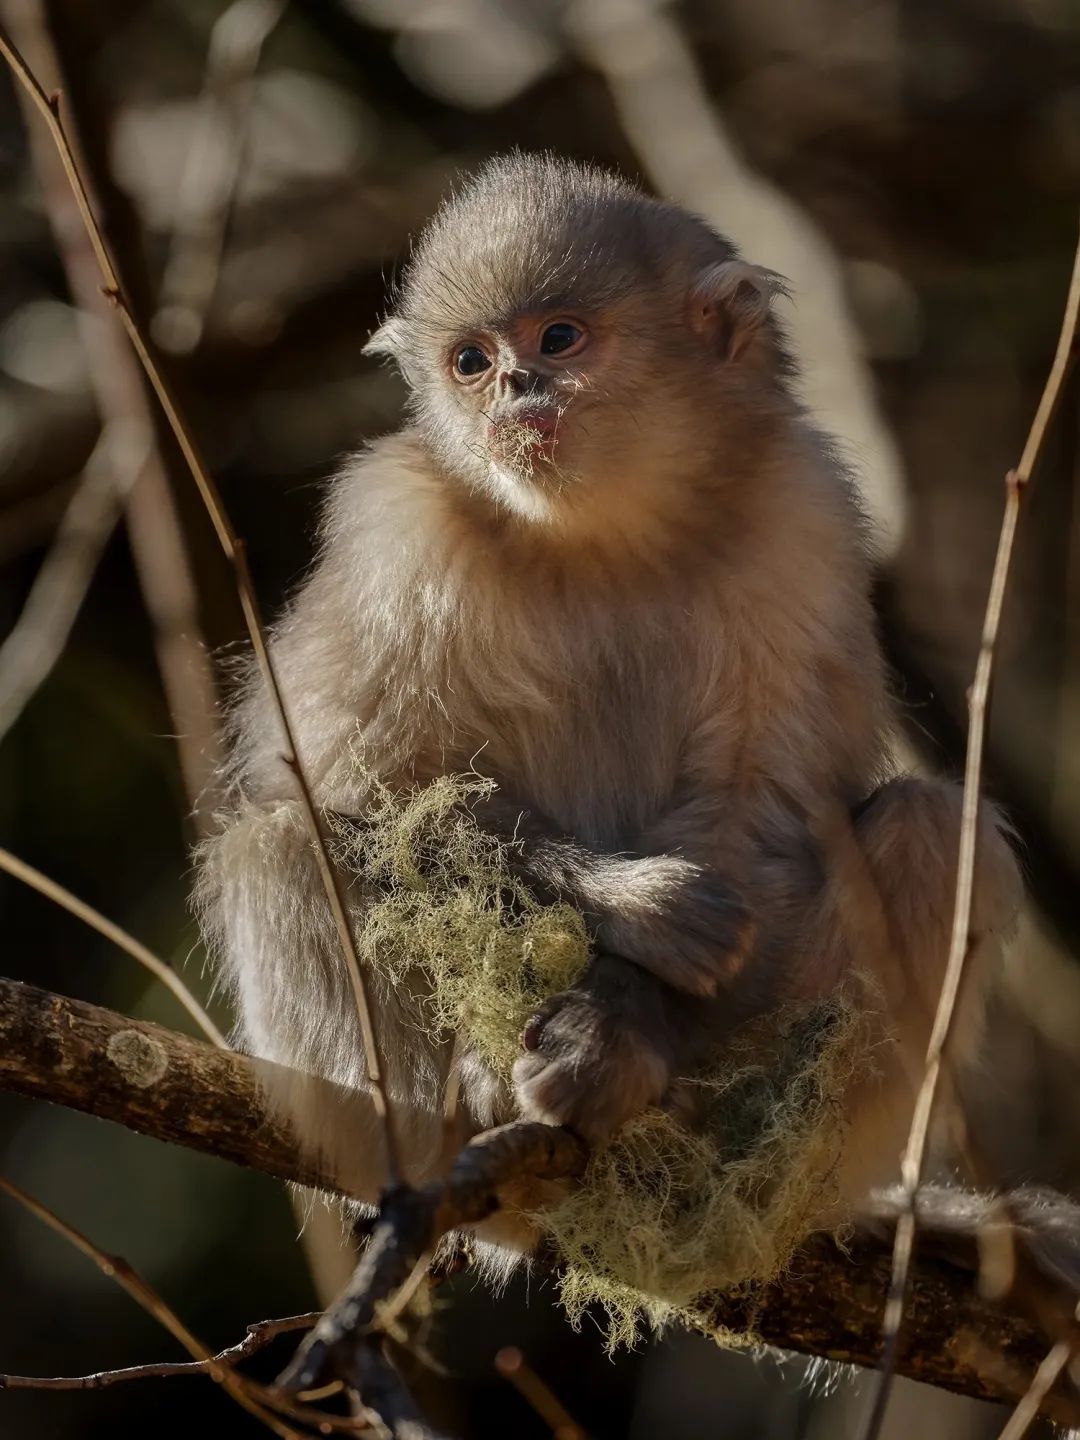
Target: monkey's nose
x,y
518,381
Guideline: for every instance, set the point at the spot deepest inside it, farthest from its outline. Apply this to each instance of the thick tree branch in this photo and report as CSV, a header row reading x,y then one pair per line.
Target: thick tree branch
x,y
174,1088
148,1079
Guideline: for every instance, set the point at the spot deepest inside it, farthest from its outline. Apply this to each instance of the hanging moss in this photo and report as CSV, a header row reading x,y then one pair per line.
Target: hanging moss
x,y
445,902
665,1215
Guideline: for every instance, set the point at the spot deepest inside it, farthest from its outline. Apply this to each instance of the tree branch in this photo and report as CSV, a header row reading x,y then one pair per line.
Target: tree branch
x,y
151,1080
160,1083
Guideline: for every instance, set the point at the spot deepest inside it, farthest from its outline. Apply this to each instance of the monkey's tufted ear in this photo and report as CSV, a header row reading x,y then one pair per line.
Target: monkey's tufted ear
x,y
730,301
387,339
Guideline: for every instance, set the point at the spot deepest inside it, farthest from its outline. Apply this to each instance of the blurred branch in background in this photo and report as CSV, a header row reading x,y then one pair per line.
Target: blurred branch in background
x,y
140,483
211,172
37,639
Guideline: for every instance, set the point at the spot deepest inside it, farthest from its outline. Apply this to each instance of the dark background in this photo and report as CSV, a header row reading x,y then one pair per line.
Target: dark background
x,y
911,165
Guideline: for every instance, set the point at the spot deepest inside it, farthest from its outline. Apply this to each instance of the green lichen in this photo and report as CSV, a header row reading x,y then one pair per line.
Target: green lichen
x,y
445,903
665,1214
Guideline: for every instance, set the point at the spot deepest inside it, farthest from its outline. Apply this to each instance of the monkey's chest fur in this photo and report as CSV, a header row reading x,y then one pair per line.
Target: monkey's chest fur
x,y
583,715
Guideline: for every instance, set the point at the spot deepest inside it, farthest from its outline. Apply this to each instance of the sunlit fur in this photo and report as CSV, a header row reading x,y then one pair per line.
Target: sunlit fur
x,y
660,645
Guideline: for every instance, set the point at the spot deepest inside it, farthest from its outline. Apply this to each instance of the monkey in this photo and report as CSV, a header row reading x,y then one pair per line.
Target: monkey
x,y
609,564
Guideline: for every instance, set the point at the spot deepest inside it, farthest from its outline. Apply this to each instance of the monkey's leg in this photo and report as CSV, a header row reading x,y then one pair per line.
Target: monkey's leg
x,y
886,914
909,833
269,929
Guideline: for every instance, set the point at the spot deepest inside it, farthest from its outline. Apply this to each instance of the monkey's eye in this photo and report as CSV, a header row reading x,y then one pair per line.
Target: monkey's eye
x,y
470,360
559,337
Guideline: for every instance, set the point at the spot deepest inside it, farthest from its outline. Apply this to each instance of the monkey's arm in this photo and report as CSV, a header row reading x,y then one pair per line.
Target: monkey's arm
x,y
668,913
883,910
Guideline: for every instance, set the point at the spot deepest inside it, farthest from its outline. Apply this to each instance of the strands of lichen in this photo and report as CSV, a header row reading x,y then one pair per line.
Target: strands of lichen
x,y
518,446
665,1215
445,903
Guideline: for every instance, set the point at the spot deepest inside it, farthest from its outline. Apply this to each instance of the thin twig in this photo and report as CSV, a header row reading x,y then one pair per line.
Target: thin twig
x,y
147,1297
259,1400
258,1335
1045,1378
512,1366
49,108
913,1162
163,971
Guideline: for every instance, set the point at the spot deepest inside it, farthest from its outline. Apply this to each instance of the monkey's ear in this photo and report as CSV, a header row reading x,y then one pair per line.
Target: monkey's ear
x,y
730,302
387,339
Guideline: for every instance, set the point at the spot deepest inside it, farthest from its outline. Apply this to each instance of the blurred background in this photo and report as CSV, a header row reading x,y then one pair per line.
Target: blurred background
x,y
912,166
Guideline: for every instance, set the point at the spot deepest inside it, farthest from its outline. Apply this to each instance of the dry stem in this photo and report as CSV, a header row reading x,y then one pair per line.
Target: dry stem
x,y
913,1162
512,1366
1044,1380
49,108
111,931
118,1269
258,1335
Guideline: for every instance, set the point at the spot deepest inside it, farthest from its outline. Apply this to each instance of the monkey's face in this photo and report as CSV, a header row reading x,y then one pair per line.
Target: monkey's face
x,y
518,407
576,415
577,353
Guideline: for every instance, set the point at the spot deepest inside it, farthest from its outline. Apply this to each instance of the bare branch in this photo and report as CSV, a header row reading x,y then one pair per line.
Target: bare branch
x,y
912,1165
258,1335
411,1222
49,108
156,1082
118,1269
111,931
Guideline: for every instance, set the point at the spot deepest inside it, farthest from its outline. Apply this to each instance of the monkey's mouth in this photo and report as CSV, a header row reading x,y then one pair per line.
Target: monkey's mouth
x,y
525,437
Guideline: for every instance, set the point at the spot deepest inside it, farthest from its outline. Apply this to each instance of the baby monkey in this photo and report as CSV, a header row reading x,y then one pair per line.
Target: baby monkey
x,y
609,564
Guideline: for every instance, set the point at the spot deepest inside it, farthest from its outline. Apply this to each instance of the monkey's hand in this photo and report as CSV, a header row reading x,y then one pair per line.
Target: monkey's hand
x,y
680,921
597,1054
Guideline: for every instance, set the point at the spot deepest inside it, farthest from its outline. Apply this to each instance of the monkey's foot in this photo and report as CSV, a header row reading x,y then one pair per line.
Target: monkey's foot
x,y
586,1067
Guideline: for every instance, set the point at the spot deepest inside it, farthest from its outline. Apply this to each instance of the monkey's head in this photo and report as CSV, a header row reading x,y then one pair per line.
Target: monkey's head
x,y
579,352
